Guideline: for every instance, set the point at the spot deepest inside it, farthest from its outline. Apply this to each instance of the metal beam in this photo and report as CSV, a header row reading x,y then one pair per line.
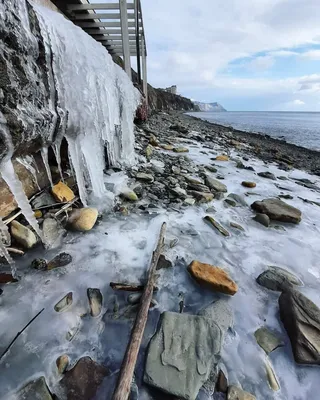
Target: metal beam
x,y
97,6
111,32
100,16
117,38
144,69
136,13
103,24
125,36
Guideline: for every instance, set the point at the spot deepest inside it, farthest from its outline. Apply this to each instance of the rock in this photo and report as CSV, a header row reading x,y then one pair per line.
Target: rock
x,y
211,168
277,210
36,389
277,279
153,141
167,146
220,313
218,195
149,151
52,232
83,219
39,263
64,303
62,193
248,184
222,382
211,221
301,319
212,277
7,278
267,175
62,363
236,226
189,201
38,214
271,376
211,210
235,393
222,158
145,177
221,177
43,199
240,201
267,340
23,235
134,298
202,197
61,260
180,149
263,219
215,185
83,380
95,301
179,128
129,195
193,181
181,354
175,170
230,202
173,242
163,262
179,192
199,188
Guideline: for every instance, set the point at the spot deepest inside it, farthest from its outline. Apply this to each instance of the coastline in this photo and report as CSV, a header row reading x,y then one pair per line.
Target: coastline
x,y
265,147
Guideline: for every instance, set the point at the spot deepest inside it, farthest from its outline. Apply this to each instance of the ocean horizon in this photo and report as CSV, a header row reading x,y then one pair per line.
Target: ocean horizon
x,y
301,128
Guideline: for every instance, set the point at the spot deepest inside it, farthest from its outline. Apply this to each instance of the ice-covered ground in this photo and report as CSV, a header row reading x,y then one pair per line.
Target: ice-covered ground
x,y
120,248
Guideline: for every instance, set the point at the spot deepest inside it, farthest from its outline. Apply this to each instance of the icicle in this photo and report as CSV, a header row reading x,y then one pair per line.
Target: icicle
x,y
27,163
56,150
3,250
44,155
76,162
9,175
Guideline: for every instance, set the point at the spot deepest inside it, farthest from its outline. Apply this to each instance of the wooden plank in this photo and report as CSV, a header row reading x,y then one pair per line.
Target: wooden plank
x,y
125,36
114,39
112,32
103,24
123,386
97,6
97,16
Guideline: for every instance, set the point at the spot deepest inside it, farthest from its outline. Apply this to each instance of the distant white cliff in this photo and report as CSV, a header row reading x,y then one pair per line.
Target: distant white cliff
x,y
209,106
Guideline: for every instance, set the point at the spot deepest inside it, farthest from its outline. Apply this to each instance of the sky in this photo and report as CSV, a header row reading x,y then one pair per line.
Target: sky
x,y
248,55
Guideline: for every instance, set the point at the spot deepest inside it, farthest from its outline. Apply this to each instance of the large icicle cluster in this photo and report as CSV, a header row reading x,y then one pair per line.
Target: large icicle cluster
x,y
91,99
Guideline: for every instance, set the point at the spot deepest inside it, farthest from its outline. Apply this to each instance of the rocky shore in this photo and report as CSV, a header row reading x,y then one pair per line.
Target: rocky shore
x,y
236,306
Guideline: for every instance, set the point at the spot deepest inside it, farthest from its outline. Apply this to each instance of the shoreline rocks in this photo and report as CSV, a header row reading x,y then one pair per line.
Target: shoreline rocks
x,y
83,219
277,210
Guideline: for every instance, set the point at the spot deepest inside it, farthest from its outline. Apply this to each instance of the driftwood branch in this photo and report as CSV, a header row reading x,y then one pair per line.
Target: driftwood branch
x,y
122,389
129,287
19,333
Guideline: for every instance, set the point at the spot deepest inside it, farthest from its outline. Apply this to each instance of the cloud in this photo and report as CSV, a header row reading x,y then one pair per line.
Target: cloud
x,y
203,38
298,102
311,54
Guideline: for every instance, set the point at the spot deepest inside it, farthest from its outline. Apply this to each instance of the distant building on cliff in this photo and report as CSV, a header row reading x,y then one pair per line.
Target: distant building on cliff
x,y
172,89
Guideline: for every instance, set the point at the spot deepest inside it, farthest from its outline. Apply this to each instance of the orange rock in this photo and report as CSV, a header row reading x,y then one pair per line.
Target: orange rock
x,y
222,157
62,192
214,278
167,146
249,184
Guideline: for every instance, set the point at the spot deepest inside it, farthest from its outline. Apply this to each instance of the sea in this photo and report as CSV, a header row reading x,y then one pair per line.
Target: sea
x,y
300,128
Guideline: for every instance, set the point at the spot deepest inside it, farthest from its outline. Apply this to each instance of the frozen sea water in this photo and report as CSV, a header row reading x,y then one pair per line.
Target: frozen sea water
x,y
120,248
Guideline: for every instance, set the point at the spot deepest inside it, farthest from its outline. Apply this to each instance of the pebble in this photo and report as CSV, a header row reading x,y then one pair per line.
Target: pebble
x,y
263,219
222,158
95,301
60,260
23,235
83,219
62,363
216,225
62,193
64,303
39,263
236,226
248,184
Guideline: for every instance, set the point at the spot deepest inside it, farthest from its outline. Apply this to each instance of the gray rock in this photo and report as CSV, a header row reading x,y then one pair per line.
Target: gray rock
x,y
36,389
83,380
271,376
236,226
215,185
267,175
95,301
301,319
263,219
64,303
179,192
236,393
145,177
62,363
52,232
42,200
181,354
189,201
220,313
198,187
222,382
61,260
163,262
267,340
211,168
238,199
39,263
277,279
277,210
218,195
230,202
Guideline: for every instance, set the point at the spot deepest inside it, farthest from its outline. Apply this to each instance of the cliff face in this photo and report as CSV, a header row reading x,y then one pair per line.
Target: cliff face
x,y
160,100
210,106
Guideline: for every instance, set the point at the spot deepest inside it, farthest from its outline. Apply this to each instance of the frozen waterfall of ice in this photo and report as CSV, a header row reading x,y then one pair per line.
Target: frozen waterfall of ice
x,y
95,98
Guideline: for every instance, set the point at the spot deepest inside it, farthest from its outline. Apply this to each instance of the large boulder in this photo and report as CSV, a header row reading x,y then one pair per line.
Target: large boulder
x,y
277,279
215,185
212,277
301,319
277,210
181,354
83,219
83,380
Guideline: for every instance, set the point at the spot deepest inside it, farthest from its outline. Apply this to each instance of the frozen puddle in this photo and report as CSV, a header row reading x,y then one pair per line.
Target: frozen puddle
x,y
120,248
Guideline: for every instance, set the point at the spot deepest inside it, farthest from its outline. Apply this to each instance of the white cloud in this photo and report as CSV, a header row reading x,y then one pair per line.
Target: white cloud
x,y
261,63
298,102
311,54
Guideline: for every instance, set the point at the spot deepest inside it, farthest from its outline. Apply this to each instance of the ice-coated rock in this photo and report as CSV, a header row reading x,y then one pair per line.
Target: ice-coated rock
x,y
23,235
267,340
277,210
83,219
36,389
277,278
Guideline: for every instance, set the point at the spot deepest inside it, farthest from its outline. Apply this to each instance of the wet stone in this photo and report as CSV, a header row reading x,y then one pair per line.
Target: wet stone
x,y
64,303
61,260
267,175
163,262
277,279
39,263
95,301
263,219
62,363
36,389
267,340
